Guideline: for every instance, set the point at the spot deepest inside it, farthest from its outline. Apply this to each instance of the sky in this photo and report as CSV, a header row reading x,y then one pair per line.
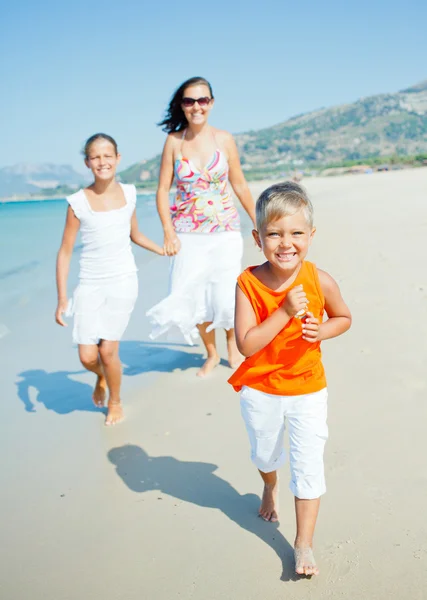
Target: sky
x,y
70,69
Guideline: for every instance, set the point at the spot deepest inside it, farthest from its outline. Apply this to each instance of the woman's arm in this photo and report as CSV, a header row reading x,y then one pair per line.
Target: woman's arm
x,y
237,179
251,337
72,225
142,240
339,316
171,244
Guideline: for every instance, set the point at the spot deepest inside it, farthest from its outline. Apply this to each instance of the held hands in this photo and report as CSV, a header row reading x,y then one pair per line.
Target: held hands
x,y
171,245
311,328
61,308
295,301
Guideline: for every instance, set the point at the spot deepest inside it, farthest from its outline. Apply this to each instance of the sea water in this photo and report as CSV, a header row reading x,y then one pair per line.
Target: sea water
x,y
30,236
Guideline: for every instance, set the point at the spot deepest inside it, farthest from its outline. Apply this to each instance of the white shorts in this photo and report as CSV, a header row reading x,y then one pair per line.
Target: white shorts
x,y
264,416
102,309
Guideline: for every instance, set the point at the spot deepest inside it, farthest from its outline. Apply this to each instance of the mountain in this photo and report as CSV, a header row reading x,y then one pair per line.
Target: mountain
x,y
376,126
27,178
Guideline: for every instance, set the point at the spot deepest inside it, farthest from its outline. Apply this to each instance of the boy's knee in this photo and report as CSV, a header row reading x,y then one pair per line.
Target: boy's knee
x,y
308,480
267,462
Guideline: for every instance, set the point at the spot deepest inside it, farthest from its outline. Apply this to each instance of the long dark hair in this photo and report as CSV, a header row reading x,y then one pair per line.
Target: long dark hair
x,y
174,119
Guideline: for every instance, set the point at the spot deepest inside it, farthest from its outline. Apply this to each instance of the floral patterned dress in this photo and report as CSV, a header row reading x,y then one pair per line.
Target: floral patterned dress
x,y
203,201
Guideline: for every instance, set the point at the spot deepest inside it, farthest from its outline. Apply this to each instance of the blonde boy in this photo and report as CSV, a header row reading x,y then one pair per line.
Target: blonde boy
x,y
279,326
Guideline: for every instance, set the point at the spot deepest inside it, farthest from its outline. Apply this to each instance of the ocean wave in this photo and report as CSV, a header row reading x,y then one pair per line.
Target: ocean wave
x,y
26,268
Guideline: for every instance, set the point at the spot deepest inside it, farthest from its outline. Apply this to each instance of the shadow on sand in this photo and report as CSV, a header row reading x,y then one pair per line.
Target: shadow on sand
x,y
196,482
147,357
57,391
62,394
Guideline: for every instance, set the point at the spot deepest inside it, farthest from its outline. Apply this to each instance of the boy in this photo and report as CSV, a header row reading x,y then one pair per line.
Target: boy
x,y
278,321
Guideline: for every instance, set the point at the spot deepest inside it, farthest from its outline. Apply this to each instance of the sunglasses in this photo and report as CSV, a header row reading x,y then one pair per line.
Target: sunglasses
x,y
187,102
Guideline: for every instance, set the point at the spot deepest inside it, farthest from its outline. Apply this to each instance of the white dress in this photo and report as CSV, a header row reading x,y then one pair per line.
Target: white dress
x,y
204,272
105,297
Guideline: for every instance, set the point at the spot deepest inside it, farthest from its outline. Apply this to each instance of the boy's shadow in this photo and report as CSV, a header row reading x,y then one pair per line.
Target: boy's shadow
x,y
145,357
57,391
197,483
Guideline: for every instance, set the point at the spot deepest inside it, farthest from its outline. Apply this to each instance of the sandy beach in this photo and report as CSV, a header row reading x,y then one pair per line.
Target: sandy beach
x,y
164,506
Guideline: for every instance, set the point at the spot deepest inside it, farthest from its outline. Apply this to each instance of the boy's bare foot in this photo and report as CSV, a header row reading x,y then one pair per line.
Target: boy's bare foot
x,y
209,365
100,391
235,359
114,414
304,561
268,510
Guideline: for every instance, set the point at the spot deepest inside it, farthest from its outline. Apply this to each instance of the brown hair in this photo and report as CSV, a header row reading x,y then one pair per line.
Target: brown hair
x,y
94,138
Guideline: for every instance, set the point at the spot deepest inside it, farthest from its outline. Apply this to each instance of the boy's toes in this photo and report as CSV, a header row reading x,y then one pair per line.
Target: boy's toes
x,y
304,562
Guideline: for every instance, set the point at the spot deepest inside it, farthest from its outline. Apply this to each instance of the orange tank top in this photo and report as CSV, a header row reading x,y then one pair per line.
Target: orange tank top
x,y
288,365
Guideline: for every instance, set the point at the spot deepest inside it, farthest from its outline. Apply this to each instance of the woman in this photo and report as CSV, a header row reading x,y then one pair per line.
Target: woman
x,y
202,229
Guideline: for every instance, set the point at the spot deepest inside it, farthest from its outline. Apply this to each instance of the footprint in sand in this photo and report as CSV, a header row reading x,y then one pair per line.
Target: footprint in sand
x,y
339,560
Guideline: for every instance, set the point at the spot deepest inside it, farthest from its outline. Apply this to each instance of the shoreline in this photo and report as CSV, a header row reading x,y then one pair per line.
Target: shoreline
x,y
255,183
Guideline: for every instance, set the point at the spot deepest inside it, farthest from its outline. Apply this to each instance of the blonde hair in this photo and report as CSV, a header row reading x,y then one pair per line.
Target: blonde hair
x,y
282,200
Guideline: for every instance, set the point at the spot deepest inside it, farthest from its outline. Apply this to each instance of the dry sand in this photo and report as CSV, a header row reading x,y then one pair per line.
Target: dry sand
x,y
163,507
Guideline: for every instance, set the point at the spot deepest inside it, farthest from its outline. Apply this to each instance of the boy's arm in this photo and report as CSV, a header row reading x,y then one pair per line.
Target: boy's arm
x,y
339,316
250,336
142,240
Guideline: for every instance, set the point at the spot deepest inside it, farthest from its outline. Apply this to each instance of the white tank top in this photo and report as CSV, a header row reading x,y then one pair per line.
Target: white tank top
x,y
106,247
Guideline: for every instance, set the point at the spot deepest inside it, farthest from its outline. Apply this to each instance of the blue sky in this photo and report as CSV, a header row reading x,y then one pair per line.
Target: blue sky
x,y
71,69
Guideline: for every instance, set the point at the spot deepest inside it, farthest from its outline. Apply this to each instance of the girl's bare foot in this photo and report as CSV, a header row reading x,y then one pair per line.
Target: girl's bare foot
x,y
268,508
304,560
209,365
234,357
114,413
100,391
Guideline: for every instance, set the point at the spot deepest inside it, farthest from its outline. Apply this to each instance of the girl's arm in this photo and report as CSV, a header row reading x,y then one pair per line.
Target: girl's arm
x,y
251,337
140,239
339,316
72,225
237,179
171,244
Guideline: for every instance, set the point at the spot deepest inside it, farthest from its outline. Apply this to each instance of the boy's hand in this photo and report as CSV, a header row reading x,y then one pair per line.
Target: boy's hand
x,y
295,301
310,328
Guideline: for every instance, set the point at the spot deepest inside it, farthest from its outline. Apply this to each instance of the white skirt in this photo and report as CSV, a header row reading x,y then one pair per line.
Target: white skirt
x,y
202,285
102,310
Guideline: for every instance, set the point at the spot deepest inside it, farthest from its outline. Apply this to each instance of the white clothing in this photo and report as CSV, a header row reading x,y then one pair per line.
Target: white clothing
x,y
264,416
106,248
202,285
102,310
103,301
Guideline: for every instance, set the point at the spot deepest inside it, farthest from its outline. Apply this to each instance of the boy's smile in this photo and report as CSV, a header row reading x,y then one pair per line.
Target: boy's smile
x,y
286,240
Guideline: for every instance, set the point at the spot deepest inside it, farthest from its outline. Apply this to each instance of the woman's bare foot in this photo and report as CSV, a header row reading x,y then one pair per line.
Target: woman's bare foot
x,y
209,365
100,391
304,560
114,413
234,357
268,509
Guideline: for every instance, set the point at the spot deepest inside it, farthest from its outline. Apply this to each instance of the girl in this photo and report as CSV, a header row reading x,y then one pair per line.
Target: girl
x,y
203,230
108,288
